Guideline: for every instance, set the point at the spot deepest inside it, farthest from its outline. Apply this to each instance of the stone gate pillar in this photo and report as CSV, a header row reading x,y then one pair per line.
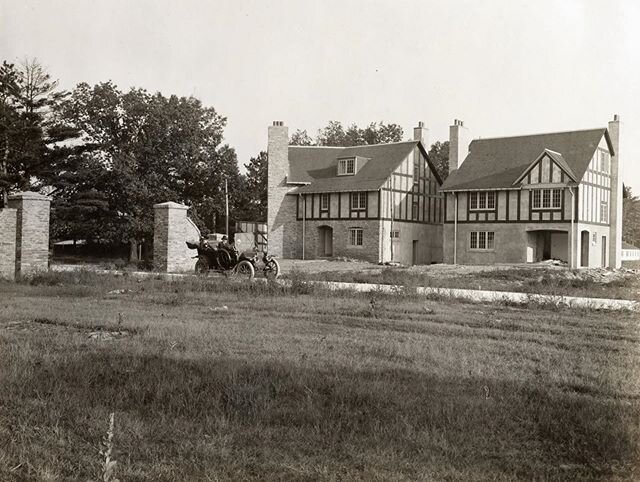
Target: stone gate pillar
x,y
172,228
32,231
8,218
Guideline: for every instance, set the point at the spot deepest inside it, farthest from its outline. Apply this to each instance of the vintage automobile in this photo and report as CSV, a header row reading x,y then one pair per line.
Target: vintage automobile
x,y
225,258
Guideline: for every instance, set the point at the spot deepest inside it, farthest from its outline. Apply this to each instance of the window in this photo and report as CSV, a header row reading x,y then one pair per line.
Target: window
x,y
482,201
414,211
347,167
416,171
604,162
473,200
482,240
491,200
547,199
395,234
536,199
358,201
355,236
490,237
594,239
604,211
324,202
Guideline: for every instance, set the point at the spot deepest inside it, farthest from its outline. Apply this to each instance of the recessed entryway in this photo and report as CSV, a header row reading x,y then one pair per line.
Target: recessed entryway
x,y
325,241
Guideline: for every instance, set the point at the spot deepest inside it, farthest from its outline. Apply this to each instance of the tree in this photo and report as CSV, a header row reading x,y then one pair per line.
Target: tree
x,y
439,155
140,149
9,105
29,130
334,134
254,202
630,217
300,138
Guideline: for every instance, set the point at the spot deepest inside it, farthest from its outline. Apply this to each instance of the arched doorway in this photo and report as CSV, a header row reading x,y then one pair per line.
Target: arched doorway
x,y
325,241
584,248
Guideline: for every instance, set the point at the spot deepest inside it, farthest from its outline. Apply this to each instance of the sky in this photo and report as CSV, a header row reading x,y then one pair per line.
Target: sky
x,y
505,67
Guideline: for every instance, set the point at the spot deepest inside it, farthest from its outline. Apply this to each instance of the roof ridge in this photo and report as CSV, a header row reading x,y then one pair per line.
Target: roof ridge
x,y
539,134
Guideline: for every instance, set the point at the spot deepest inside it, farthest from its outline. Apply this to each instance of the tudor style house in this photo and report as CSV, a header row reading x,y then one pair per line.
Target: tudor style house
x,y
374,202
532,198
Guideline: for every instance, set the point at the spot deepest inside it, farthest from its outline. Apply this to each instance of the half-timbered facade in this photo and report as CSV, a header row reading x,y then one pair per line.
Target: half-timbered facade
x,y
374,202
532,198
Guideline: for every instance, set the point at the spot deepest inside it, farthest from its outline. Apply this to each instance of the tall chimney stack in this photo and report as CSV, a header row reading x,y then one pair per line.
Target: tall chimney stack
x,y
421,133
277,173
615,208
459,140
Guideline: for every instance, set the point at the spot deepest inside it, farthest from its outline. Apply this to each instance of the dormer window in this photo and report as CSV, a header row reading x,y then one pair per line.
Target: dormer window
x,y
347,167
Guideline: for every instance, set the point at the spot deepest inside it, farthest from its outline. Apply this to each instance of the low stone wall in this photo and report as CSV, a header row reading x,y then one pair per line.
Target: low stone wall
x,y
172,228
8,219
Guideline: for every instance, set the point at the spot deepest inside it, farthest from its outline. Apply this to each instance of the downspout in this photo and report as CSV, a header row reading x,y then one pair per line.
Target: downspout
x,y
455,231
391,226
304,221
571,263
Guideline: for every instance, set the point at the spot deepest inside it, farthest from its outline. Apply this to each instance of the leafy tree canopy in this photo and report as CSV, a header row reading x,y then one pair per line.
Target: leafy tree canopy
x,y
139,149
334,134
630,217
439,155
29,129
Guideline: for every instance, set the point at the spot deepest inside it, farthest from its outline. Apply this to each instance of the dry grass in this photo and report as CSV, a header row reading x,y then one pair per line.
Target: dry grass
x,y
295,384
538,280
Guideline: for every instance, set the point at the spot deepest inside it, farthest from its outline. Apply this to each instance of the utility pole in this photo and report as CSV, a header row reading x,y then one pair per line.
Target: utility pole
x,y
226,208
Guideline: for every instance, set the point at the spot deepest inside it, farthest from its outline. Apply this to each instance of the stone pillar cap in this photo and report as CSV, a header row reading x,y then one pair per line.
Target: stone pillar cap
x,y
34,196
170,205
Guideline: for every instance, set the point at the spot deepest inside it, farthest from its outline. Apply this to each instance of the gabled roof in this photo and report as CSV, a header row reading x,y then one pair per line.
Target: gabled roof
x,y
317,166
497,163
556,157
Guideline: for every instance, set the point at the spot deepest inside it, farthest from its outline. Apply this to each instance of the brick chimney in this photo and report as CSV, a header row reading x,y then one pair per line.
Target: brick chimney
x,y
615,209
421,133
459,140
277,173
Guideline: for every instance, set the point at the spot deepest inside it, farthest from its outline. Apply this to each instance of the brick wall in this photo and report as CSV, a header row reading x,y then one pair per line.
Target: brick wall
x,y
172,228
32,231
369,251
8,219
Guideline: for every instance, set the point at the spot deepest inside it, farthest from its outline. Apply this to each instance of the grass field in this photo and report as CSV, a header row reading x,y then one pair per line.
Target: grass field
x,y
555,281
300,384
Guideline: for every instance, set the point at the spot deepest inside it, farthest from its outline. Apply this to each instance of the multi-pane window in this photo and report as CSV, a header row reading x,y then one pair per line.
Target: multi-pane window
x,y
482,240
547,199
346,167
355,236
491,200
485,200
324,202
395,234
416,171
358,201
604,211
414,211
604,162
